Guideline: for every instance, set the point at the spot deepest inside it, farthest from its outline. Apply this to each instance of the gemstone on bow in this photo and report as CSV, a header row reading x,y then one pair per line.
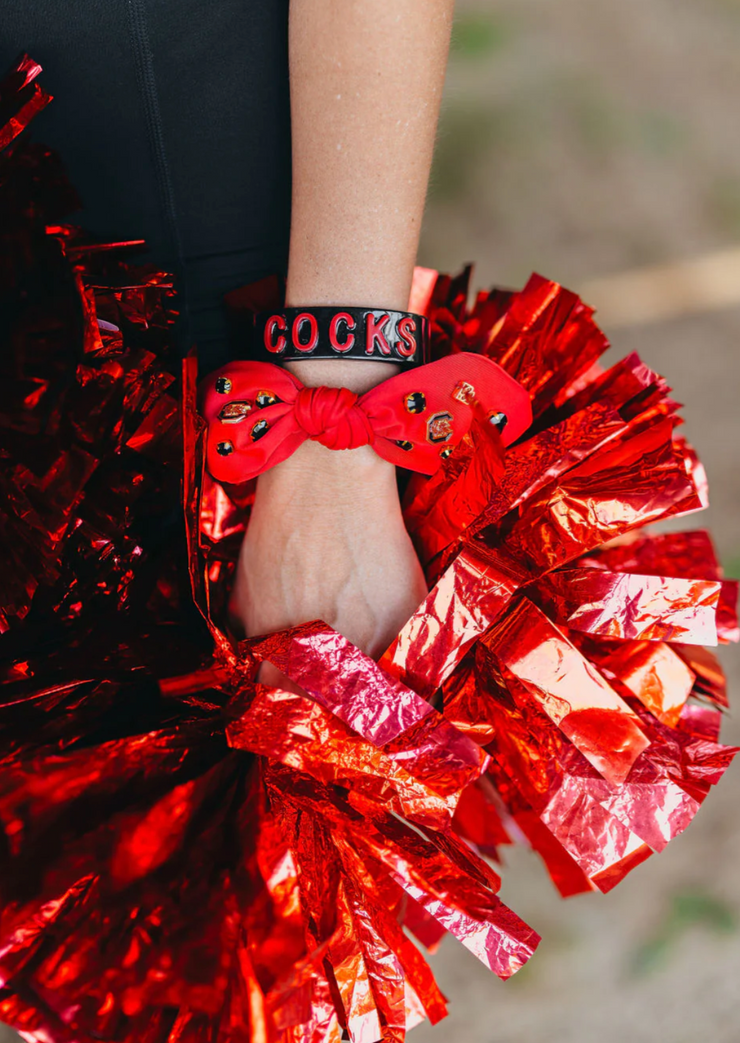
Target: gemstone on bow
x,y
265,399
465,393
406,446
224,448
223,385
439,428
260,428
416,402
234,412
499,420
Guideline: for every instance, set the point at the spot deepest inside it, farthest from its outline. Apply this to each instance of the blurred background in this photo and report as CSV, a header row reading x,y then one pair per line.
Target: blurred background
x,y
599,143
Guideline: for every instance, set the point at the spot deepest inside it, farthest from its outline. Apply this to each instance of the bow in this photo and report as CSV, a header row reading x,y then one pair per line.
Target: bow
x,y
259,414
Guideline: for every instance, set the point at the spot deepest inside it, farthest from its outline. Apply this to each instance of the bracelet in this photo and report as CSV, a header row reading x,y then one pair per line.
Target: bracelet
x,y
341,332
258,414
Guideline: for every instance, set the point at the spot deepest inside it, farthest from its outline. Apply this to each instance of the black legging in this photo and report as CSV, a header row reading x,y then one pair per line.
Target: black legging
x,y
173,120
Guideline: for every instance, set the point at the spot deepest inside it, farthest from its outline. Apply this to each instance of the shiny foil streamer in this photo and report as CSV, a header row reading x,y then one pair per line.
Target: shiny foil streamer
x,y
574,695
633,606
472,593
21,98
191,856
651,671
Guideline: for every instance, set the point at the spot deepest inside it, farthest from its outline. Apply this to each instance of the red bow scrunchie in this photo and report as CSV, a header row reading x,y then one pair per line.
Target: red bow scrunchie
x,y
258,414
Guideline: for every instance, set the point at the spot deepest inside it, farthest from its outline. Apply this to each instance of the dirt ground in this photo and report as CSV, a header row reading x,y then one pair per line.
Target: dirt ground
x,y
582,139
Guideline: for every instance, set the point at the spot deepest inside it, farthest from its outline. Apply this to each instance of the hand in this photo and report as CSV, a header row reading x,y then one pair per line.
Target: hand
x,y
326,540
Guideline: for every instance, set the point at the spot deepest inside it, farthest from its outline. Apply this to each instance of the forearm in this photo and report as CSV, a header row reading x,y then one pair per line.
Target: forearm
x,y
326,537
366,82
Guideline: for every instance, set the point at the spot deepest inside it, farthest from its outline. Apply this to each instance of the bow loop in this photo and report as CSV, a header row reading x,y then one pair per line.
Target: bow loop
x,y
332,417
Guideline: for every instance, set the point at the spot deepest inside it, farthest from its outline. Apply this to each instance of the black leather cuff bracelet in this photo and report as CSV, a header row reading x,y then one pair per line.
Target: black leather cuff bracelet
x,y
340,333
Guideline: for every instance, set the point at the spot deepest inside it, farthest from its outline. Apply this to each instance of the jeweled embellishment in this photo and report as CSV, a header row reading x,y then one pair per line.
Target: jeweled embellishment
x,y
224,448
439,428
260,428
499,420
235,412
265,399
447,451
464,393
406,446
223,385
415,402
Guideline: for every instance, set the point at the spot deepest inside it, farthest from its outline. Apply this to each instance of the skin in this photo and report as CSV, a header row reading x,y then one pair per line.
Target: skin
x,y
326,538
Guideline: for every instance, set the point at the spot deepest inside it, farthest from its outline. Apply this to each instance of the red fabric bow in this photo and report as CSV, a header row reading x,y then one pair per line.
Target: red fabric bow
x,y
258,414
333,417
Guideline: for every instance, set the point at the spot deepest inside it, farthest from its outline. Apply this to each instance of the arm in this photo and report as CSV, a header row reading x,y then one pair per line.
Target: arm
x,y
366,83
326,536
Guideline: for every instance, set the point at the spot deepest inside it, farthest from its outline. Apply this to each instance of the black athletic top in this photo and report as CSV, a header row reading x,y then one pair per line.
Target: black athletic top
x,y
173,120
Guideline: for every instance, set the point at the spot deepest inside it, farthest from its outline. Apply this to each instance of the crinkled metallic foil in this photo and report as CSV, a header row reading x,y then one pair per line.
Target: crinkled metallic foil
x,y
189,855
632,606
574,695
472,593
653,672
21,98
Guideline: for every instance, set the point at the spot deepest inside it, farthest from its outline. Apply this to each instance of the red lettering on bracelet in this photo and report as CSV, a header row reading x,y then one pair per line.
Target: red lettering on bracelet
x,y
374,334
305,316
406,346
348,343
275,322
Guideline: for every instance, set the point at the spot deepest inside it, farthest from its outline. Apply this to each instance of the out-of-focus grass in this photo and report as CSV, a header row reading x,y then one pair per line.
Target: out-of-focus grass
x,y
570,108
467,130
659,133
723,205
603,125
579,109
732,567
478,35
729,8
599,125
596,127
688,909
466,134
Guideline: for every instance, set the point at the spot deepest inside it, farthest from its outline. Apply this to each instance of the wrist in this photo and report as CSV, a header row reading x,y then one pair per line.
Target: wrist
x,y
306,284
357,375
315,476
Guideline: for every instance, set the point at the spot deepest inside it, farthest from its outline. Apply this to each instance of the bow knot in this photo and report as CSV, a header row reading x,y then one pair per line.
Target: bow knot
x,y
332,417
